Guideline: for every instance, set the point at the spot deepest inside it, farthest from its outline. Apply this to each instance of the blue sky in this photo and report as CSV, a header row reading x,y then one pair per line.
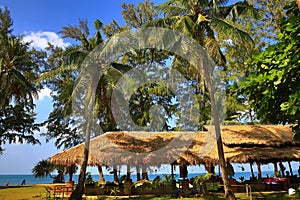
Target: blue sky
x,y
40,21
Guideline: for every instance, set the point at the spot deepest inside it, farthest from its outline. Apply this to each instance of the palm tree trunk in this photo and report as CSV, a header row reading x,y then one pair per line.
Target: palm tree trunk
x,y
72,170
229,195
88,115
298,3
78,192
259,177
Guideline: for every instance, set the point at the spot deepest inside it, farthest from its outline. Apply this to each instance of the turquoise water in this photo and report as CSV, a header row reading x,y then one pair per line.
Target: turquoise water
x,y
16,179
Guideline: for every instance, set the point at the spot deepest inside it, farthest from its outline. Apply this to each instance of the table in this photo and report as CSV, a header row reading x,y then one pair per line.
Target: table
x,y
282,181
59,190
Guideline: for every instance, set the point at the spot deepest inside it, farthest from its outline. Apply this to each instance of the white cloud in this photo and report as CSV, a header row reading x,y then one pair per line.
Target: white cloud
x,y
45,92
40,39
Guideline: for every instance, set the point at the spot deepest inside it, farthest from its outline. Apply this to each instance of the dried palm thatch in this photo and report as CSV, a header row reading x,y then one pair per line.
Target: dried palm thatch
x,y
190,148
263,154
141,148
257,136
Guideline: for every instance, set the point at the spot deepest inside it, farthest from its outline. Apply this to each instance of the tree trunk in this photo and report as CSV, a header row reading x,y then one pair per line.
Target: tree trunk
x,y
71,171
259,178
78,192
116,180
298,3
101,174
290,167
252,172
229,195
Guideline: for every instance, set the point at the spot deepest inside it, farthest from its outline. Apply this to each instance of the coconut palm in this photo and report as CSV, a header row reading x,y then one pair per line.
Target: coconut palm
x,y
66,66
18,70
204,20
45,168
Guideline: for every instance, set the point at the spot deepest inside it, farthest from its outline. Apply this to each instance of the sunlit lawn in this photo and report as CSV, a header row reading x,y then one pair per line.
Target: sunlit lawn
x,y
39,192
30,192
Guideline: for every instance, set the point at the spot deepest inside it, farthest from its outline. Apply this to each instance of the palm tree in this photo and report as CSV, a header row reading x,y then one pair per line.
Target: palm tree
x,y
203,20
18,71
298,3
45,168
65,67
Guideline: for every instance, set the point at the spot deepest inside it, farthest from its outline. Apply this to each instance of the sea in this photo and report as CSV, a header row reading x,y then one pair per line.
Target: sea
x,y
16,179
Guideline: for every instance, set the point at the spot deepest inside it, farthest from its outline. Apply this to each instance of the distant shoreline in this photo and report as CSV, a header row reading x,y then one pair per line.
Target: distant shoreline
x,y
15,180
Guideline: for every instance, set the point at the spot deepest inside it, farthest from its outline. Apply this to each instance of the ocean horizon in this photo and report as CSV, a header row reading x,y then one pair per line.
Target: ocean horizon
x,y
16,179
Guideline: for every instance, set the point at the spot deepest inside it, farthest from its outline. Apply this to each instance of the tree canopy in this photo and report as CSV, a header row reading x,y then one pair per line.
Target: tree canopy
x,y
274,86
19,68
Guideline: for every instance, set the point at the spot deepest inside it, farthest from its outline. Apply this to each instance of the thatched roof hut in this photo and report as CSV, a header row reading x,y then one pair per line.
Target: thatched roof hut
x,y
242,144
137,148
257,135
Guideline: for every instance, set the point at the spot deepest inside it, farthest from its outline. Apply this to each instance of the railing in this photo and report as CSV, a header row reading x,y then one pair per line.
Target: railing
x,y
249,191
59,190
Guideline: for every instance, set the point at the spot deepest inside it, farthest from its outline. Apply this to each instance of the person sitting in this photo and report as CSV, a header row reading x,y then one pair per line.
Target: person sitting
x,y
23,182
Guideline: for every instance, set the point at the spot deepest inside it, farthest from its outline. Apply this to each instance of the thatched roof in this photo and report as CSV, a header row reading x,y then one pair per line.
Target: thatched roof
x,y
257,135
262,154
135,148
193,148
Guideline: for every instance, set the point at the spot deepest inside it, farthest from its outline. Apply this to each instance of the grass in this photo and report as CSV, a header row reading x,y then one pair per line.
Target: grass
x,y
39,192
22,193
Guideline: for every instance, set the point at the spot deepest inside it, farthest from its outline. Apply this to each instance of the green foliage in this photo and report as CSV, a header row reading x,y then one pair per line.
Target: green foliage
x,y
273,86
200,182
115,191
44,168
19,68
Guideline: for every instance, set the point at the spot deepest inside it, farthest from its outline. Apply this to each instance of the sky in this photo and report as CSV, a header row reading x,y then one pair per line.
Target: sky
x,y
40,21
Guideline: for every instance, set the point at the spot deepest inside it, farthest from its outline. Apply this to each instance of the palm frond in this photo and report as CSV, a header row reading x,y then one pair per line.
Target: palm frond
x,y
170,10
231,31
50,75
239,9
163,22
213,49
185,25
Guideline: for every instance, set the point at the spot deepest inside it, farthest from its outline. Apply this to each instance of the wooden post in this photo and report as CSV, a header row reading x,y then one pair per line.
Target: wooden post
x,y
259,178
115,171
251,168
138,173
275,168
101,174
144,173
291,170
128,173
183,171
